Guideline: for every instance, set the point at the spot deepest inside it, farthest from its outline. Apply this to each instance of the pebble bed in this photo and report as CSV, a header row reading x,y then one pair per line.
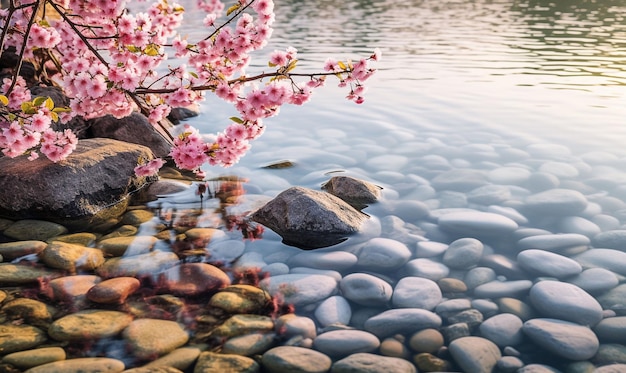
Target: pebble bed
x,y
478,258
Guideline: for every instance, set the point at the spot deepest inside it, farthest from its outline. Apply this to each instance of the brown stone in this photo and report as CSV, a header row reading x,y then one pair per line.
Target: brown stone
x,y
114,290
192,279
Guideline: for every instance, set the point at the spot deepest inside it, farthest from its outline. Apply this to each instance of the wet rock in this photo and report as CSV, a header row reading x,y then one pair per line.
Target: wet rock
x,y
562,338
335,310
426,362
545,263
181,358
477,224
97,180
341,343
89,325
365,289
30,229
113,291
192,279
613,299
21,274
504,329
244,324
463,253
610,354
335,260
370,363
81,365
426,268
609,259
383,254
416,292
70,257
614,239
452,285
357,193
71,289
595,280
15,338
290,326
394,347
31,311
475,354
134,129
249,344
240,299
565,301
401,320
516,307
150,338
328,220
459,180
287,359
300,289
209,362
17,249
426,341
499,289
559,202
127,245
611,330
32,358
559,243
143,265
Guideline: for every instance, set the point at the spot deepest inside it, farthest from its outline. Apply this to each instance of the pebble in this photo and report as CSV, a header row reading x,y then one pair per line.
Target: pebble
x,y
538,368
460,180
136,217
341,343
365,289
509,175
450,307
426,268
611,368
609,259
504,329
455,331
472,318
312,271
546,263
394,347
127,245
241,298
30,311
288,359
37,230
249,344
595,280
143,265
192,279
426,362
578,225
113,291
81,365
485,306
504,266
509,364
335,310
610,353
226,250
242,324
82,238
478,276
300,289
275,269
489,194
89,325
499,289
426,341
370,363
614,299
452,285
150,338
71,257
383,254
556,202
71,289
611,330
331,260
477,224
475,354
429,249
463,253
559,243
290,325
562,338
14,338
416,292
210,362
565,301
401,321
614,239
17,249
32,358
181,358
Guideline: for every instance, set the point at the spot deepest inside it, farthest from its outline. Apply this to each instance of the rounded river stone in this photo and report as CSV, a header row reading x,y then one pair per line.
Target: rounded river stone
x,y
89,325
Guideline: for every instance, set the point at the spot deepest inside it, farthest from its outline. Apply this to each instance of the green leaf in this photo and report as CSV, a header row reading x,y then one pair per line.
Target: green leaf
x,y
193,74
61,109
26,105
39,100
4,100
233,8
236,120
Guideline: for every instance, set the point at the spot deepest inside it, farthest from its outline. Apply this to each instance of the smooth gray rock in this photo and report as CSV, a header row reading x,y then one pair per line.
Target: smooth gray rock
x,y
341,343
477,224
401,320
595,280
328,220
475,354
383,254
370,363
559,243
463,253
565,301
334,310
609,259
615,239
460,180
545,263
416,292
562,338
365,289
287,359
611,330
89,187
300,289
357,193
426,268
499,289
504,329
559,202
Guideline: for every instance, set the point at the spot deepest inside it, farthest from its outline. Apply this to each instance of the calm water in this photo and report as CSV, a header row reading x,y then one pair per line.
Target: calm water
x,y
534,70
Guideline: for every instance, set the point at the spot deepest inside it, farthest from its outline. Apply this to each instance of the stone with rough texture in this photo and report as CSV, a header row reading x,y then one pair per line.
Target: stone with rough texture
x,y
15,338
81,365
150,338
341,343
328,220
244,324
210,362
241,298
565,301
370,363
300,289
113,291
562,338
191,279
30,311
289,359
96,181
357,193
32,358
89,325
475,354
401,320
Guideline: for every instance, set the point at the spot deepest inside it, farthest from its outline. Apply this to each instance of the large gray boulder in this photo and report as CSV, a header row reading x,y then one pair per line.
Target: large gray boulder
x,y
90,187
309,219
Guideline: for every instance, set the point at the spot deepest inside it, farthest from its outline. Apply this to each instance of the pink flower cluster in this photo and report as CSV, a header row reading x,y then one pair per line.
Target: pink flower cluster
x,y
151,168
